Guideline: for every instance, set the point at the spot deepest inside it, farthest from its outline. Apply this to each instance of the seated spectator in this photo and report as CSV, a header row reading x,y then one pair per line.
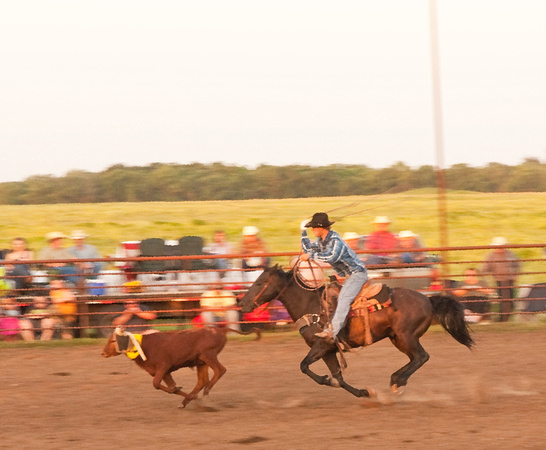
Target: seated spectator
x,y
135,317
258,318
64,301
253,245
408,240
353,240
55,251
214,304
472,288
42,317
436,283
9,322
19,273
380,239
278,313
82,250
220,246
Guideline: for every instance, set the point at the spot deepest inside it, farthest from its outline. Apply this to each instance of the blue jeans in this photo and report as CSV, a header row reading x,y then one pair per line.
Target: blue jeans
x,y
347,295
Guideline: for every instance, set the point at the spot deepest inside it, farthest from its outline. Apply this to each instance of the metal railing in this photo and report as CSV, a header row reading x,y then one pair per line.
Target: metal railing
x,y
174,294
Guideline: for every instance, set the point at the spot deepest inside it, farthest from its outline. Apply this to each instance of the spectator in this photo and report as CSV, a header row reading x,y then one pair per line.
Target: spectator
x,y
408,240
215,302
135,317
9,322
473,289
55,251
41,317
82,250
64,301
353,240
253,245
503,265
20,273
380,239
220,246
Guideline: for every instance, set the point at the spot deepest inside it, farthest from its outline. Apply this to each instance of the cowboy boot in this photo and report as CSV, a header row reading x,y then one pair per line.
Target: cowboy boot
x,y
327,333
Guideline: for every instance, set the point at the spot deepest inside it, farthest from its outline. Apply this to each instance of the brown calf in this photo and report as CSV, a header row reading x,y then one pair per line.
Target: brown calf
x,y
171,350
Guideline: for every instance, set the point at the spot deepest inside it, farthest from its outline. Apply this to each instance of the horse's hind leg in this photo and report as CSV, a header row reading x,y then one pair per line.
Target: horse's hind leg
x,y
417,355
333,364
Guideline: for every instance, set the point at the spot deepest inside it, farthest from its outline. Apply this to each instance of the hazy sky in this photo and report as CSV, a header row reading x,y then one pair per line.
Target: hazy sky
x,y
88,84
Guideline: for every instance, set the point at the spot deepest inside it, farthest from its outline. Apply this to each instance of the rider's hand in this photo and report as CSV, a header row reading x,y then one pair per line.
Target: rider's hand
x,y
304,257
302,225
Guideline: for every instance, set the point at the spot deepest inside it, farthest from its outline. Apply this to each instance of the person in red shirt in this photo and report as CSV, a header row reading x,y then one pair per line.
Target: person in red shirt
x,y
380,239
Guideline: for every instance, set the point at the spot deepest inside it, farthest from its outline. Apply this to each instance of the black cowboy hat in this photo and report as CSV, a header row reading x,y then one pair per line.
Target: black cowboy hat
x,y
319,220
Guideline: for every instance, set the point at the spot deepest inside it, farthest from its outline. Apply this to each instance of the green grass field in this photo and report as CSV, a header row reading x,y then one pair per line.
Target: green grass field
x,y
473,220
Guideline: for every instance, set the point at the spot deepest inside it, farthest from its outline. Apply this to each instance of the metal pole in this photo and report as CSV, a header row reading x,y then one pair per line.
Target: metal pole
x,y
439,134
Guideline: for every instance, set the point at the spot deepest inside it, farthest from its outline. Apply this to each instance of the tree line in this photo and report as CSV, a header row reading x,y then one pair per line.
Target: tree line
x,y
217,181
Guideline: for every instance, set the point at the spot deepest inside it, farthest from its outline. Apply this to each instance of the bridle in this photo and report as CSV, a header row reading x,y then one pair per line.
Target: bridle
x,y
262,290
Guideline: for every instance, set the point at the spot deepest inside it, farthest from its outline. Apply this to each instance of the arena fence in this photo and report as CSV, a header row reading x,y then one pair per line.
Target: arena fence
x,y
194,291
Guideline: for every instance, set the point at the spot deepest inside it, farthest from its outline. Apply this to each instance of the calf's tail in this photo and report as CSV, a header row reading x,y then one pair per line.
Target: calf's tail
x,y
449,313
256,331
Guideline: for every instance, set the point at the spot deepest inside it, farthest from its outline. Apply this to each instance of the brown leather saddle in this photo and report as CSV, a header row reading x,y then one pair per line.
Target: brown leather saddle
x,y
373,296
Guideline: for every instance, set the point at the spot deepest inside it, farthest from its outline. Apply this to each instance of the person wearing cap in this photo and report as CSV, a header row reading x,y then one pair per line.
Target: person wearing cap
x,y
408,240
330,248
503,265
253,245
82,250
380,239
352,239
54,251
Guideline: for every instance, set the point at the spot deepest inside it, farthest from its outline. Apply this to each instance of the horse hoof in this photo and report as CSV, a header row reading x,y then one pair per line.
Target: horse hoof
x,y
334,382
372,393
181,406
397,390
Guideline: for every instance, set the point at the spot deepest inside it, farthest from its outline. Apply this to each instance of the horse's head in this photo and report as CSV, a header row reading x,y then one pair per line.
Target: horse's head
x,y
265,288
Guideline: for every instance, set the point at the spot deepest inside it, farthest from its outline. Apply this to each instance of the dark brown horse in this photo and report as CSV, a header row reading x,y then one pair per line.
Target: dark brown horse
x,y
404,322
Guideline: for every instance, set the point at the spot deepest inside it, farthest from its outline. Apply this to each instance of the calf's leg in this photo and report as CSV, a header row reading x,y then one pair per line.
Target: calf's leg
x,y
202,380
211,359
162,373
171,384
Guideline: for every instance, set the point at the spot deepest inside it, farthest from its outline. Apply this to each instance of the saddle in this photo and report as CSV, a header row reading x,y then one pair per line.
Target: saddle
x,y
373,297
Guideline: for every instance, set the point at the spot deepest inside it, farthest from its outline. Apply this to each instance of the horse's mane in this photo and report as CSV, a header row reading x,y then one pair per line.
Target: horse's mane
x,y
285,275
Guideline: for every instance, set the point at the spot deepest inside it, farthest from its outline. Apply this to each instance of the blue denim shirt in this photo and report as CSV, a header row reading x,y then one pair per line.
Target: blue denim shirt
x,y
334,251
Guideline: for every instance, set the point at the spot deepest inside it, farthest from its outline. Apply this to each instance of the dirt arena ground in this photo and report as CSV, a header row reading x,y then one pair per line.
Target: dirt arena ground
x,y
493,397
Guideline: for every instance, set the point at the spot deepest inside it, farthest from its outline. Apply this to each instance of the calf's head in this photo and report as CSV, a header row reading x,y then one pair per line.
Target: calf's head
x,y
111,347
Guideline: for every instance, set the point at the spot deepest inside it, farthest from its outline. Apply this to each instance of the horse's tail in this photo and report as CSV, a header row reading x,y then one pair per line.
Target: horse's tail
x,y
449,313
256,331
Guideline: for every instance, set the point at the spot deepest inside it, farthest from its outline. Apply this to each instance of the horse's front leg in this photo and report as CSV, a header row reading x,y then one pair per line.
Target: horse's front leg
x,y
335,369
319,349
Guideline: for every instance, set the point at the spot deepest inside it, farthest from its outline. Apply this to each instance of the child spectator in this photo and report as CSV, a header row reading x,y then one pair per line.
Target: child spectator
x,y
215,303
473,289
41,317
64,301
9,322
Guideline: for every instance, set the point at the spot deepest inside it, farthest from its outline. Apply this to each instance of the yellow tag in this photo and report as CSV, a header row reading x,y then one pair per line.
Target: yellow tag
x,y
132,352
